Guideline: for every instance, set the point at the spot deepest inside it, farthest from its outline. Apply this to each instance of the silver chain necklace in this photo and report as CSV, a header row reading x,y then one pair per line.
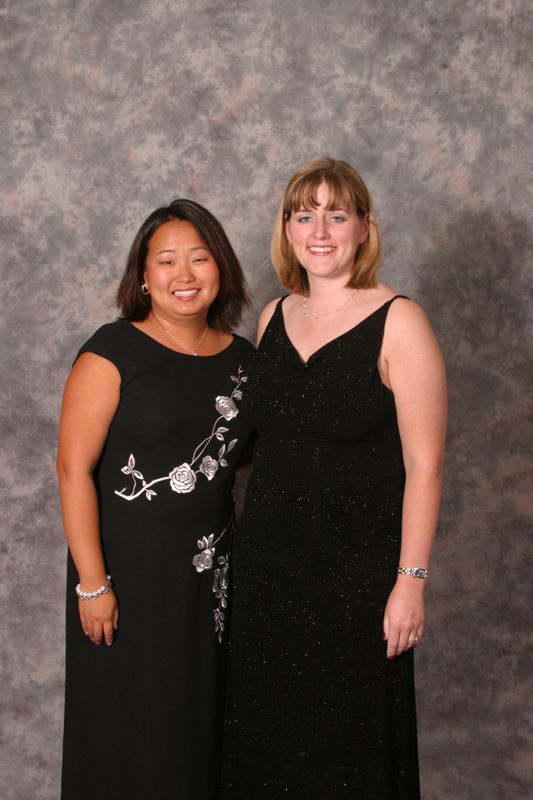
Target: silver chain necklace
x,y
326,313
193,350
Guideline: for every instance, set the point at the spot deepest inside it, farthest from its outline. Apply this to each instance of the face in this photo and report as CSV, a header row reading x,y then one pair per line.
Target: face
x,y
324,240
181,273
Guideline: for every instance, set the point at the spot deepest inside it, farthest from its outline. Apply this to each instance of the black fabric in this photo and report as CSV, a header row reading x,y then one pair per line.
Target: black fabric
x,y
143,717
315,709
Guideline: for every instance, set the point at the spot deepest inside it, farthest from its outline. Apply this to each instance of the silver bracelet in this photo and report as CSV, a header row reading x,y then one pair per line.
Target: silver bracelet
x,y
414,572
97,593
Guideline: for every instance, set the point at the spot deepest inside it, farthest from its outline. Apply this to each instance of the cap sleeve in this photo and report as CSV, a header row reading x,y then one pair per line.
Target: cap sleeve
x,y
112,343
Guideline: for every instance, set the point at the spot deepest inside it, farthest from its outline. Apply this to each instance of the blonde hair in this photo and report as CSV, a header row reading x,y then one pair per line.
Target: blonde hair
x,y
347,190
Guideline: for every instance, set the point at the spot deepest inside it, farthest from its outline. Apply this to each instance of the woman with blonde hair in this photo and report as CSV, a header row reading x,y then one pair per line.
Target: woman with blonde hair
x,y
348,395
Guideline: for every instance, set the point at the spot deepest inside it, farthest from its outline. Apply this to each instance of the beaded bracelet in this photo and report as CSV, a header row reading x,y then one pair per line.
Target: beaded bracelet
x,y
415,572
97,593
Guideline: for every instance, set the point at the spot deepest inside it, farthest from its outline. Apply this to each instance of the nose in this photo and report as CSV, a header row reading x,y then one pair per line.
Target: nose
x,y
321,229
183,272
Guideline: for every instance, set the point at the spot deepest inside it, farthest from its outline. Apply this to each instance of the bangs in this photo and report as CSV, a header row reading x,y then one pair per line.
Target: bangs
x,y
304,194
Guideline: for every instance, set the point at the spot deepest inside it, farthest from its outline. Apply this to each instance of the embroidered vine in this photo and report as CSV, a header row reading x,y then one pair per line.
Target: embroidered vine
x,y
204,561
184,477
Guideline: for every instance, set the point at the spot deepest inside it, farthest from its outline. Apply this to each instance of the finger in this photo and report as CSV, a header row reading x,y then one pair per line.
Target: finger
x,y
108,633
392,643
115,619
403,642
385,628
97,633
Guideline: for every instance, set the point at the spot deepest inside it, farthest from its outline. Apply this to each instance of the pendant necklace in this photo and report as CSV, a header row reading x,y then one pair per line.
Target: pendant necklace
x,y
326,313
193,350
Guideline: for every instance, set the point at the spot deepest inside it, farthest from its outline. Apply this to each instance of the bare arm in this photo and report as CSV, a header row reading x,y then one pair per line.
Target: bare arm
x,y
89,403
413,366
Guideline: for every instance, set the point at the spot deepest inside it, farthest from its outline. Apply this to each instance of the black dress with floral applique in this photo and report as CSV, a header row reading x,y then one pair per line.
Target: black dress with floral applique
x,y
315,709
143,717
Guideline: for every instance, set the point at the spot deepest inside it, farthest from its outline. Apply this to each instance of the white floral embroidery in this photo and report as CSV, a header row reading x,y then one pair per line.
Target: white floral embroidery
x,y
183,479
204,561
209,467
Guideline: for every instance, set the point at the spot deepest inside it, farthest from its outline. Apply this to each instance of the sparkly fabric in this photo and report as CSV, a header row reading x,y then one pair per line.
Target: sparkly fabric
x,y
315,709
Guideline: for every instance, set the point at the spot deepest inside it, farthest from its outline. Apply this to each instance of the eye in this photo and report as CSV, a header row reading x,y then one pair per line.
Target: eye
x,y
338,218
167,262
303,217
199,259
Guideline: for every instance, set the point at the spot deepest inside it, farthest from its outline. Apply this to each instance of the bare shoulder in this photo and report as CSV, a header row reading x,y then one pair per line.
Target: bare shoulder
x,y
265,316
406,318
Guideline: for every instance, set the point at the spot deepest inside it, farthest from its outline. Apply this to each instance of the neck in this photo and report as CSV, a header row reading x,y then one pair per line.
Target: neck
x,y
326,290
185,327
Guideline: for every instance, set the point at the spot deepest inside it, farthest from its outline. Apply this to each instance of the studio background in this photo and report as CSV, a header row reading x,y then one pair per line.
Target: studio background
x,y
111,108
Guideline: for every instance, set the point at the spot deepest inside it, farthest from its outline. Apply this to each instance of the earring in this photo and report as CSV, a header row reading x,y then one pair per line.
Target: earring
x,y
145,288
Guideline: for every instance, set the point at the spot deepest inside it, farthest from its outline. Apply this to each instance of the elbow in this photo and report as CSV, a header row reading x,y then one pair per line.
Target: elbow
x,y
429,469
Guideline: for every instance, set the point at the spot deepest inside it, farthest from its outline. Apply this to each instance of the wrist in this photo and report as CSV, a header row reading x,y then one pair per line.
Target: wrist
x,y
93,594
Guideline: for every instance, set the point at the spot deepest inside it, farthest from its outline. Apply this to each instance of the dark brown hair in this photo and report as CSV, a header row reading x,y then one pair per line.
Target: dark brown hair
x,y
225,312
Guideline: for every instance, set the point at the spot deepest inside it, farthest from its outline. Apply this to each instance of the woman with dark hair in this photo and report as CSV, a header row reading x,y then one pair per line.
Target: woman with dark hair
x,y
348,396
150,435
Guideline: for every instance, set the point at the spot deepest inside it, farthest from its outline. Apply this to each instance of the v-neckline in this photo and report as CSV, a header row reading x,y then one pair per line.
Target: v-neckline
x,y
295,350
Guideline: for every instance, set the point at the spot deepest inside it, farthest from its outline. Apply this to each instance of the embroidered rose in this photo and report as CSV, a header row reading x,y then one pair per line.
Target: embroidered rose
x,y
209,467
182,479
204,560
226,407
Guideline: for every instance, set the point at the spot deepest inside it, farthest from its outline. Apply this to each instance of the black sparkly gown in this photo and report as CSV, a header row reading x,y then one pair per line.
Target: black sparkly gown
x,y
315,709
143,718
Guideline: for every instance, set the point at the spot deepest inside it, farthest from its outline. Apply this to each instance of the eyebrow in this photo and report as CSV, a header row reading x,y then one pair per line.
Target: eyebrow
x,y
196,247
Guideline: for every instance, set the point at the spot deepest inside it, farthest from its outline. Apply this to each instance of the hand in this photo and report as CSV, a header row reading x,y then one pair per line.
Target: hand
x,y
99,617
404,616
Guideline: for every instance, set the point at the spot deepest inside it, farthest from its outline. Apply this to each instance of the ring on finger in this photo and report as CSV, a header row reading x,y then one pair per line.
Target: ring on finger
x,y
413,637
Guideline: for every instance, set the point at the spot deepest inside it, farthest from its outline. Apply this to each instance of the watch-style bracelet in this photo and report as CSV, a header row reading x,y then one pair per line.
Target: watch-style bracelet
x,y
414,572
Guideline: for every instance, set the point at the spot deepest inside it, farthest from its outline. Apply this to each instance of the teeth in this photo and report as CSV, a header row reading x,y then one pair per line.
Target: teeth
x,y
185,292
322,249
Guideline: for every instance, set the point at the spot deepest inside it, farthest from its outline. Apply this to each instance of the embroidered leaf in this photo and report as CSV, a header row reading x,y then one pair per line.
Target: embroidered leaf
x,y
222,451
234,379
219,437
237,394
244,379
223,462
232,444
150,493
126,470
221,429
131,461
137,474
210,539
144,484
200,545
148,496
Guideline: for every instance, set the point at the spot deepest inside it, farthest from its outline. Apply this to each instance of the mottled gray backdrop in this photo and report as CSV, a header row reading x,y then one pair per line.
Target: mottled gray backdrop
x,y
111,108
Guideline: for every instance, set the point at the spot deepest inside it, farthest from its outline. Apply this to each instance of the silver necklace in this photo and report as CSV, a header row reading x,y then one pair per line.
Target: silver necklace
x,y
326,313
193,350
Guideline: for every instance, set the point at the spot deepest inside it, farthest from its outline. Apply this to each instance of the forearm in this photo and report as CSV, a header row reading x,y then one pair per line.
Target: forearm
x,y
420,515
79,504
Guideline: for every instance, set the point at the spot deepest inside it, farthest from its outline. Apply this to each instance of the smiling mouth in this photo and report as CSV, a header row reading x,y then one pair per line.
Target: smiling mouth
x,y
185,294
321,251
